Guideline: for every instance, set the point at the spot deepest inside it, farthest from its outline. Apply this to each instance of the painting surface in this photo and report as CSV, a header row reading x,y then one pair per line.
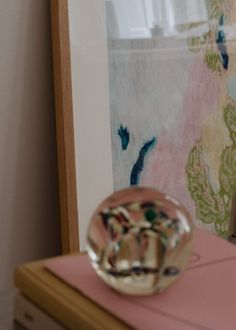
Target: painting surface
x,y
172,82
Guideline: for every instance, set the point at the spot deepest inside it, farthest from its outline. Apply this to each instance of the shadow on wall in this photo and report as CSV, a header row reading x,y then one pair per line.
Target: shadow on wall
x,y
29,226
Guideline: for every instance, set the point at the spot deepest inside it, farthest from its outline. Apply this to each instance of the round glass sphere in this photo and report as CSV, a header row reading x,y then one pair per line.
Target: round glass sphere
x,y
139,240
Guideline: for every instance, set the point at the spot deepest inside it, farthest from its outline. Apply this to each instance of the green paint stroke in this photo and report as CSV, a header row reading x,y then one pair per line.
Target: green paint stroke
x,y
230,121
213,61
214,207
215,8
207,42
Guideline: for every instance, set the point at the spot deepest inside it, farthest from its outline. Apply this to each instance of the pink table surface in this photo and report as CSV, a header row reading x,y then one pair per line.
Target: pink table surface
x,y
203,298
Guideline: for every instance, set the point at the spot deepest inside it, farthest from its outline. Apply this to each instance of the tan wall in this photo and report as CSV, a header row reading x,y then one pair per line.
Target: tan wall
x,y
29,221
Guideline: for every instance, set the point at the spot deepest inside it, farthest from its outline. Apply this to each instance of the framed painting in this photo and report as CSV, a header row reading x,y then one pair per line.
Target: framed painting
x,y
145,95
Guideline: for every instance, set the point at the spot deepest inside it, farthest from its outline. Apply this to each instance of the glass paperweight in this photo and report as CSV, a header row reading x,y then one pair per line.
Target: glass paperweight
x,y
139,241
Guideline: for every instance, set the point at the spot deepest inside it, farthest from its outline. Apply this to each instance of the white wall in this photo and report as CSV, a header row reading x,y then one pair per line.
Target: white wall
x,y
29,220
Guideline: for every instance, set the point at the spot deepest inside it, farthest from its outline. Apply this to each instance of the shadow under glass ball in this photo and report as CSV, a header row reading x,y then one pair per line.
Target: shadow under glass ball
x,y
139,241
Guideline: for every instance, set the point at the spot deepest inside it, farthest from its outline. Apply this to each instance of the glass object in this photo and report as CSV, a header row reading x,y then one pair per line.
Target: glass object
x,y
140,240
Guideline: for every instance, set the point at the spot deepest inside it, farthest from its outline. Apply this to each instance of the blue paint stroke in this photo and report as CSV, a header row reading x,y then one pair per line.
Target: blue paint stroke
x,y
221,44
138,166
124,136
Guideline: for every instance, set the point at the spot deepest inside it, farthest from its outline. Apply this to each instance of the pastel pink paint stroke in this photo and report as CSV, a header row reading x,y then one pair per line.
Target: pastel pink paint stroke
x,y
165,168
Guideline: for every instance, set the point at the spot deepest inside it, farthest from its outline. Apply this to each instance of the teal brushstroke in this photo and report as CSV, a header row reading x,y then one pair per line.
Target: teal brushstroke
x,y
124,136
139,164
221,43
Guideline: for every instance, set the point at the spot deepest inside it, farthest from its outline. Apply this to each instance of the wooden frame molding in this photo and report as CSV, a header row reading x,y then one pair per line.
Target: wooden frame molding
x,y
64,123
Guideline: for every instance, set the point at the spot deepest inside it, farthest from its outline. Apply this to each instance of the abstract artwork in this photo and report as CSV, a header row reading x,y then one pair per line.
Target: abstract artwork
x,y
145,95
172,85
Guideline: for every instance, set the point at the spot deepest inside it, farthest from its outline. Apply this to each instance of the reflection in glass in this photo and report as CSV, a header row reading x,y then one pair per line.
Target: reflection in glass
x,y
145,18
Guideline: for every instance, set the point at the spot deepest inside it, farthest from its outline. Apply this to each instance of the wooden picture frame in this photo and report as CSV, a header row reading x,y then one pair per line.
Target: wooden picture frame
x,y
65,128
188,153
85,178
